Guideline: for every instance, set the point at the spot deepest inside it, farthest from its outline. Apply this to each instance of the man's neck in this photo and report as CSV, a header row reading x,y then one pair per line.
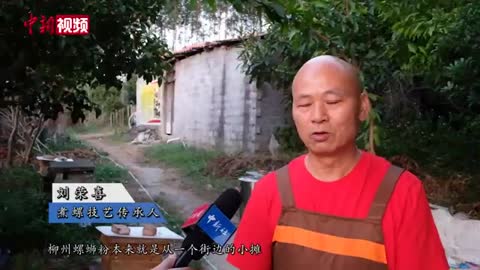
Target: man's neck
x,y
329,168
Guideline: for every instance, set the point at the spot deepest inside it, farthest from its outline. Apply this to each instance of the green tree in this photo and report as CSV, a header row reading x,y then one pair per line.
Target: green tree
x,y
129,90
418,58
302,30
43,75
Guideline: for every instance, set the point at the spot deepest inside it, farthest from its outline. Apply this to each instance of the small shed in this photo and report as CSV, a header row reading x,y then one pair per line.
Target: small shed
x,y
209,102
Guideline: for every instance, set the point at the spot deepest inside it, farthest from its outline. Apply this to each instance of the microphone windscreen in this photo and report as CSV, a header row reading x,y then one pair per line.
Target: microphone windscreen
x,y
229,202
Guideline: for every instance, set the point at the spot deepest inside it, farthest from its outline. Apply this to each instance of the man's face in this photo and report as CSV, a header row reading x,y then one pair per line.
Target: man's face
x,y
328,106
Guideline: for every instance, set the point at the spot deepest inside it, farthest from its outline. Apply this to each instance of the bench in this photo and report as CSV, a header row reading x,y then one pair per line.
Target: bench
x,y
52,168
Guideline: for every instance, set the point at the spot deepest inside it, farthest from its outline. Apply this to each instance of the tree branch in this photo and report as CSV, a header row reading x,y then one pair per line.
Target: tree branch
x,y
29,148
11,139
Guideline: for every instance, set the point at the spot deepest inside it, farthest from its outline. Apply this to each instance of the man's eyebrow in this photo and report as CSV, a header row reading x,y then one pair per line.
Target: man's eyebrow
x,y
304,96
337,92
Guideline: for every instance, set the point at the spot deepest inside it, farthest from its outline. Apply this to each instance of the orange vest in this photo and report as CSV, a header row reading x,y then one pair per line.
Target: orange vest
x,y
308,240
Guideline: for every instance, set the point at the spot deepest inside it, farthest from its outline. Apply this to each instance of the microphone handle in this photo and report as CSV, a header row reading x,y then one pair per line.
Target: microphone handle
x,y
183,260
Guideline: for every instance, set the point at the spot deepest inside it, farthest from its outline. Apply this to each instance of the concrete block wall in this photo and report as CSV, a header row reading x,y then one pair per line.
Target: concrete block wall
x,y
236,127
196,82
271,115
215,106
250,119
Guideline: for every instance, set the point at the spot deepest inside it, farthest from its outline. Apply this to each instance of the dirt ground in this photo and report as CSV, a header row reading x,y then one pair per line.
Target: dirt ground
x,y
158,183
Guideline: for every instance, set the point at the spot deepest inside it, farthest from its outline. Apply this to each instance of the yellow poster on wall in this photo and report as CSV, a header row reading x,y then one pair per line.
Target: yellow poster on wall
x,y
148,104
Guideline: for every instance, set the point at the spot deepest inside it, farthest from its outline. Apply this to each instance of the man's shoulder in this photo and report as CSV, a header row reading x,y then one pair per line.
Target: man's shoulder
x,y
291,164
408,187
377,160
268,182
407,180
397,161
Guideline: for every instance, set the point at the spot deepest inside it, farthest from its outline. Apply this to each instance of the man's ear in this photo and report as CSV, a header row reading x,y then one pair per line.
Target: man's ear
x,y
365,106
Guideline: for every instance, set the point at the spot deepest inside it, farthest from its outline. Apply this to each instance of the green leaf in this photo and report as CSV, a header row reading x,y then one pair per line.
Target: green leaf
x,y
292,34
238,5
192,4
412,48
415,31
376,137
352,6
280,11
371,54
212,4
422,50
320,4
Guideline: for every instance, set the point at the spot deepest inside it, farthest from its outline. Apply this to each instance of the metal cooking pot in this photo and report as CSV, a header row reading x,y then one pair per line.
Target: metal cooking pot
x,y
247,184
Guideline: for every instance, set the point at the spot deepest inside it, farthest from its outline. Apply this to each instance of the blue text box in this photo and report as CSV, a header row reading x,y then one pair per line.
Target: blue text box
x,y
216,225
146,212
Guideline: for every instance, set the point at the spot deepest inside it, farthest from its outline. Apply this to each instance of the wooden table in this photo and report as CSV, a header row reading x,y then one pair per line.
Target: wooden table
x,y
135,261
123,261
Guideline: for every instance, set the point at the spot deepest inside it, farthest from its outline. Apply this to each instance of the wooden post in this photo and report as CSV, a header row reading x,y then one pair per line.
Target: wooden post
x,y
125,116
124,110
122,117
120,122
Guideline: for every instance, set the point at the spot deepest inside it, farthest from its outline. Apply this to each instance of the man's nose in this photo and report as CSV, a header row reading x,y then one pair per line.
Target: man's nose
x,y
319,113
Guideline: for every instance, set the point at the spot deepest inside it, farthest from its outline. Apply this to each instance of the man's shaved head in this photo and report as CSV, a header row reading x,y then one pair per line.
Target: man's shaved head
x,y
319,63
328,104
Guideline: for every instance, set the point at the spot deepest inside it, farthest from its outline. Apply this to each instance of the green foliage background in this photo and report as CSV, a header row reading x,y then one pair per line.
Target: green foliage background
x,y
419,60
45,74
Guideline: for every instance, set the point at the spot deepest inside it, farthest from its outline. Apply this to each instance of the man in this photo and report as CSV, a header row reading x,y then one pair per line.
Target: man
x,y
336,208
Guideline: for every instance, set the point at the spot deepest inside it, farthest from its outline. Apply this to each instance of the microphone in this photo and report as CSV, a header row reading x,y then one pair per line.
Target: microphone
x,y
207,225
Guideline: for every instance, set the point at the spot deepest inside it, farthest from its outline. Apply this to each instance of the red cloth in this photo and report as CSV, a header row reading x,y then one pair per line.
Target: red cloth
x,y
411,238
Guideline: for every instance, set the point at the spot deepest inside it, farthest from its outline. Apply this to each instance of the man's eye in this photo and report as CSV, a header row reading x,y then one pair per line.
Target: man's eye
x,y
330,102
304,105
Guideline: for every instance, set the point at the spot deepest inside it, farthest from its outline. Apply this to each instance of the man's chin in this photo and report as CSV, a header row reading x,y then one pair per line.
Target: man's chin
x,y
321,150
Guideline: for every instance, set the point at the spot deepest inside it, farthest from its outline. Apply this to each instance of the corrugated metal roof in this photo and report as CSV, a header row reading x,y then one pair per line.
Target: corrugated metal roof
x,y
203,46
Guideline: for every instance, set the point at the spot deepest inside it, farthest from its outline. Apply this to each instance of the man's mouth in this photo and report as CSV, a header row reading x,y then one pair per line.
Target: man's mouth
x,y
320,136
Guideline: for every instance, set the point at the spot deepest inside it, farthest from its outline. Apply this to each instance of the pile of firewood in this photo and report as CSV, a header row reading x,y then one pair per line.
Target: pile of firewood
x,y
78,153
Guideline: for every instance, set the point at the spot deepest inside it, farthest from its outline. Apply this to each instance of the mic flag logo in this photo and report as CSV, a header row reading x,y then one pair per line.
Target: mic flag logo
x,y
99,203
195,216
216,225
